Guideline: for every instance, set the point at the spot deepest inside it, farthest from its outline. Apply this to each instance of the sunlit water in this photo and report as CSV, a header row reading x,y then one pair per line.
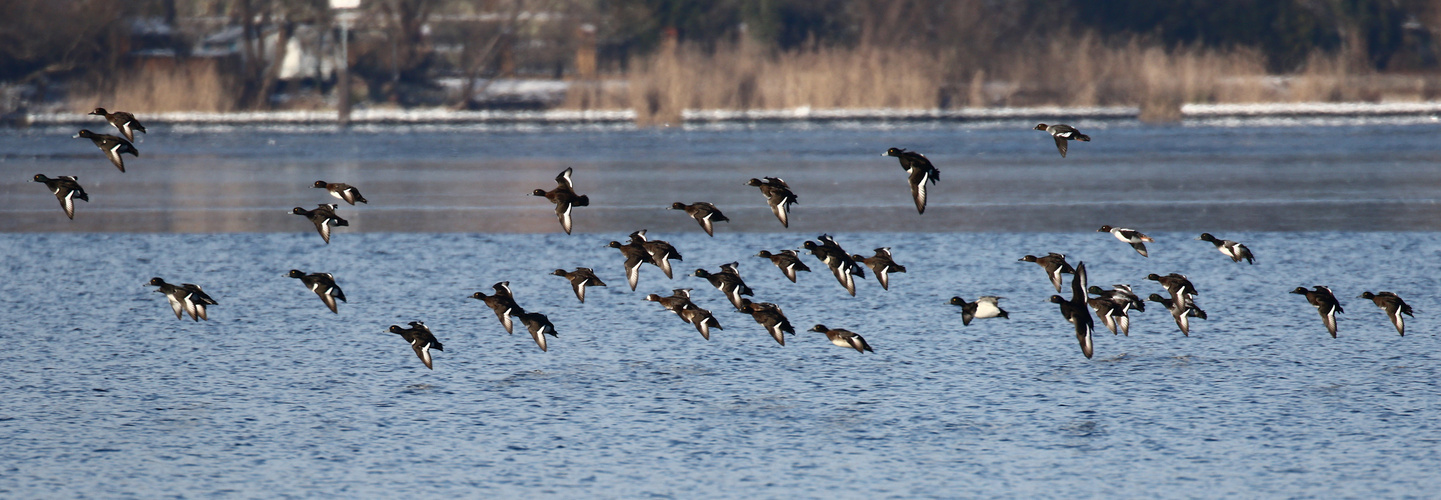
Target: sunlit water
x,y
107,394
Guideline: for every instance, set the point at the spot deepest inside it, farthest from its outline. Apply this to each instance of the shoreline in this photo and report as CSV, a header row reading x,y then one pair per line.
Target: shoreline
x,y
441,116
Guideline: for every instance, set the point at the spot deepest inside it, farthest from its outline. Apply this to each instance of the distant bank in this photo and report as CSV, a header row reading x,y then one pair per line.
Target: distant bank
x,y
1423,110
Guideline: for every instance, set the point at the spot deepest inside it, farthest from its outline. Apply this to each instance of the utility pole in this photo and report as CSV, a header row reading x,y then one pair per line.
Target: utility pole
x,y
345,11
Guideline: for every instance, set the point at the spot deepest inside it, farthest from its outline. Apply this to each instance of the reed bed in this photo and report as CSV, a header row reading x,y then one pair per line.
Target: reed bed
x,y
1068,71
163,86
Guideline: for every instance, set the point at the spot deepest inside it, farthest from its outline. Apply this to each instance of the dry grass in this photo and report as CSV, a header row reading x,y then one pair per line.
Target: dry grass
x,y
1069,71
162,85
741,78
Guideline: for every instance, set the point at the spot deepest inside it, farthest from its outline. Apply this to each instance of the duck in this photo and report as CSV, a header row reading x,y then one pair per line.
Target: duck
x,y
323,284
187,297
564,198
678,301
421,340
1177,284
771,317
920,172
778,196
345,192
842,266
704,213
66,189
1116,315
579,279
728,281
844,338
702,319
1054,264
1131,236
1063,133
882,264
661,252
112,146
1109,313
987,306
1236,251
1181,314
323,217
788,261
539,326
1394,307
123,121
1076,312
1122,295
635,255
502,302
1326,305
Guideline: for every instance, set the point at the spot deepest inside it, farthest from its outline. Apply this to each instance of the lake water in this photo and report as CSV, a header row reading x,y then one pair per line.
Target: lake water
x,y
107,395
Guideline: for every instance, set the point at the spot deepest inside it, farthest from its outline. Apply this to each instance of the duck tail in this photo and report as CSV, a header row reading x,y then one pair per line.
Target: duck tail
x,y
1083,137
581,201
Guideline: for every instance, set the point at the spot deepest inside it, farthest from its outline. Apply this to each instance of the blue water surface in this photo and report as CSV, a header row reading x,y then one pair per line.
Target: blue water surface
x,y
106,394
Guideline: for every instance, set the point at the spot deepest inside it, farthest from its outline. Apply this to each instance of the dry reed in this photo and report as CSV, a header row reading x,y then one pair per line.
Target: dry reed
x,y
163,86
1069,71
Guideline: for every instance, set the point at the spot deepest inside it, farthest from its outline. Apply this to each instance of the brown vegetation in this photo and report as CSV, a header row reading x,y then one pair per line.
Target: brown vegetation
x,y
1081,71
161,85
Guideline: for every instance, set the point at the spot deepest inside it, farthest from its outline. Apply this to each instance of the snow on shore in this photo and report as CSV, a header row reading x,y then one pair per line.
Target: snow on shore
x,y
1424,110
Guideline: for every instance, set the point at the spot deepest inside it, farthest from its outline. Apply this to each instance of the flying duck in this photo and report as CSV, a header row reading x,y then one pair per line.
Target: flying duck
x,y
564,198
882,264
124,122
66,189
1177,284
1076,312
788,261
678,301
1236,251
1121,294
704,213
984,307
702,319
323,217
728,281
920,171
1131,236
345,192
502,303
1394,307
769,316
1181,314
579,279
1063,133
842,266
539,327
1054,264
778,196
1116,315
661,252
844,338
323,284
1326,305
635,254
186,297
1109,313
111,145
420,339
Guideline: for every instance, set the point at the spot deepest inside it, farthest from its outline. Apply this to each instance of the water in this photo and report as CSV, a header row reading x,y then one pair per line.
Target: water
x,y
108,395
